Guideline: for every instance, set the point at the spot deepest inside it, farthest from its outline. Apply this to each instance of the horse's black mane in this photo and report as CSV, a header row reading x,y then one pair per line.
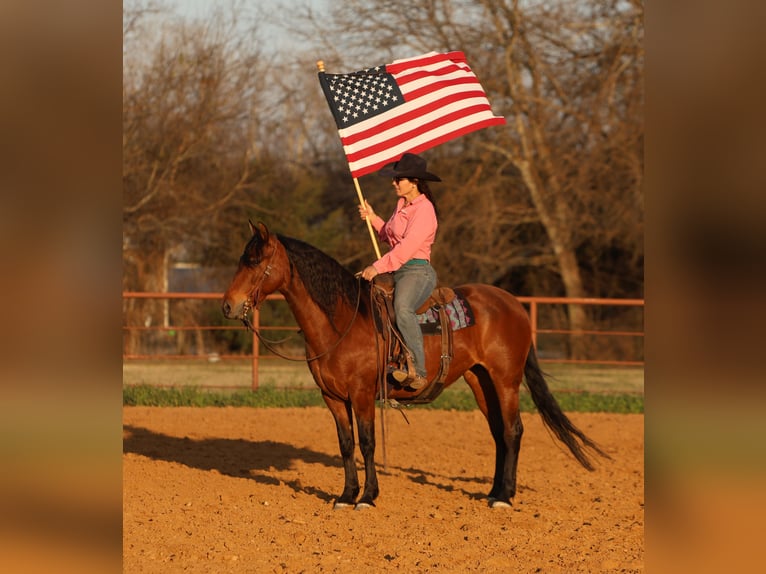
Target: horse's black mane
x,y
325,279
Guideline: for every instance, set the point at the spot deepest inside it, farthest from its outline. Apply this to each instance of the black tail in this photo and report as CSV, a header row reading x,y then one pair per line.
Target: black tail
x,y
553,416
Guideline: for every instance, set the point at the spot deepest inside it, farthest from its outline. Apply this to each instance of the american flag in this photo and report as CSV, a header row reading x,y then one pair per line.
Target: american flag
x,y
410,105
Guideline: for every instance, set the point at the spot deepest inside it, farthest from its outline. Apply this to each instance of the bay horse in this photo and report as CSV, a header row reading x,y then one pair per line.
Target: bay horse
x,y
335,315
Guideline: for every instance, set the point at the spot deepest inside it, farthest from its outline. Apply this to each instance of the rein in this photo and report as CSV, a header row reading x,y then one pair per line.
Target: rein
x,y
269,344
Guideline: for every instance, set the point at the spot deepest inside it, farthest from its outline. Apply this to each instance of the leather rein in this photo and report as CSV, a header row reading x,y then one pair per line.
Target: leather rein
x,y
252,296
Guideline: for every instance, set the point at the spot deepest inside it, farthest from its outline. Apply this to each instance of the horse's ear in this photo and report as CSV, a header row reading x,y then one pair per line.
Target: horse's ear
x,y
264,231
261,230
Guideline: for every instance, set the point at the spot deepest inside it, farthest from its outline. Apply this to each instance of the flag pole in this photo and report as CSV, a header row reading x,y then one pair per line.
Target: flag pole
x,y
320,66
367,219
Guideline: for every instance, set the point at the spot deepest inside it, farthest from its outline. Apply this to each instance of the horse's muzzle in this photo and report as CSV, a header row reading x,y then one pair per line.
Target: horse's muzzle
x,y
232,311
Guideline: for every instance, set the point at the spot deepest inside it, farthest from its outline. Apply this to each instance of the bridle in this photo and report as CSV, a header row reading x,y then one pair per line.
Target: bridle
x,y
251,304
252,296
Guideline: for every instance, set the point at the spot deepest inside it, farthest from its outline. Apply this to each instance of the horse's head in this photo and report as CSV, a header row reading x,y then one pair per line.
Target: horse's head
x,y
257,275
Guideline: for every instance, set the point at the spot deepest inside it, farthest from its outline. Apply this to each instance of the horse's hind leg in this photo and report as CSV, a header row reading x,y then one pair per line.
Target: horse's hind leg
x,y
500,405
341,411
503,492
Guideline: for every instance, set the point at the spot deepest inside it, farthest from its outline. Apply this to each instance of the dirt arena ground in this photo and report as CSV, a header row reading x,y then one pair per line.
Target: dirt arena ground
x,y
251,490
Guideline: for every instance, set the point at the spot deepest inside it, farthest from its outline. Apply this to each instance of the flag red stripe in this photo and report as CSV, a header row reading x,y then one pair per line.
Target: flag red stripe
x,y
419,130
403,79
359,172
415,113
439,85
425,60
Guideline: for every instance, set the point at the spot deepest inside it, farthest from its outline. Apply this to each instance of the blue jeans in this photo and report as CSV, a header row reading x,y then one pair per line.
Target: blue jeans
x,y
414,282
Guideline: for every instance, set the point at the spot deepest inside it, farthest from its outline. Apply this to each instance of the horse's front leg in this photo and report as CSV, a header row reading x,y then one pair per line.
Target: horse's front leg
x,y
343,422
365,422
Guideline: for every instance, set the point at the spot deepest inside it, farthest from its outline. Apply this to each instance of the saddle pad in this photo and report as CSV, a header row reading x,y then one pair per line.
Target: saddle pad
x,y
459,313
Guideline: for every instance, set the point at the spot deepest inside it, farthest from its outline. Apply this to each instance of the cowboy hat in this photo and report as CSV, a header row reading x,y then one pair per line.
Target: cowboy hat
x,y
410,165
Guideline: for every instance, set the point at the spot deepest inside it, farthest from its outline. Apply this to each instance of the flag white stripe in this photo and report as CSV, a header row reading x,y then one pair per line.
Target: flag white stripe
x,y
410,143
399,128
461,74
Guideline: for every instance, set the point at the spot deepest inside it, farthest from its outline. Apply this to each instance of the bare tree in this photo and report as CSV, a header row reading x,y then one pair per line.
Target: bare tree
x,y
574,90
215,131
213,135
191,103
568,77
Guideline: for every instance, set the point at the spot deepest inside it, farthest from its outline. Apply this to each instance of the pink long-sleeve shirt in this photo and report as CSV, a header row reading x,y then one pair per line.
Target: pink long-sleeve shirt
x,y
410,232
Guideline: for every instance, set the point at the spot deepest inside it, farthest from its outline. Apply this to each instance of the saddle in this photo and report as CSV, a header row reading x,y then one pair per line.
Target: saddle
x,y
396,354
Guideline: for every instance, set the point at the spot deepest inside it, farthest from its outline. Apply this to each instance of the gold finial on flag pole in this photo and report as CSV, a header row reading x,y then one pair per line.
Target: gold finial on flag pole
x,y
320,65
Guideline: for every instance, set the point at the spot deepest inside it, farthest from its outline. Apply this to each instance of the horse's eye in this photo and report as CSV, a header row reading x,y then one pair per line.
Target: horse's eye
x,y
249,260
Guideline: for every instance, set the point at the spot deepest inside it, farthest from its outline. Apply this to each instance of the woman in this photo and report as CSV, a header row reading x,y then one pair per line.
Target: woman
x,y
410,232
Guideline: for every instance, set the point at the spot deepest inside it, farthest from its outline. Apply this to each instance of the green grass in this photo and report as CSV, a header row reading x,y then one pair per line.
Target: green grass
x,y
460,399
578,388
188,396
278,373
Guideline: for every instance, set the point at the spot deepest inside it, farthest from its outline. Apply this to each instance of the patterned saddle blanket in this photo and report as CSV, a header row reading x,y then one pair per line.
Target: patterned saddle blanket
x,y
458,310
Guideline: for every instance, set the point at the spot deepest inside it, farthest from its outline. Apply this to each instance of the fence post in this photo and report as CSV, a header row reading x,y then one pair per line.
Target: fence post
x,y
256,326
533,320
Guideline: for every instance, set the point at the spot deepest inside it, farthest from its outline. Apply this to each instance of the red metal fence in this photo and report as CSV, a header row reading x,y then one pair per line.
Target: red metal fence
x,y
541,310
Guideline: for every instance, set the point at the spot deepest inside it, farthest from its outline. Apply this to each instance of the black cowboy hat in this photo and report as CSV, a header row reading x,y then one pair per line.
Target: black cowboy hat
x,y
410,165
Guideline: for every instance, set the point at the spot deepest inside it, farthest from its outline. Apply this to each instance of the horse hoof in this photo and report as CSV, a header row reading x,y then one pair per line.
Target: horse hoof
x,y
495,503
340,505
363,505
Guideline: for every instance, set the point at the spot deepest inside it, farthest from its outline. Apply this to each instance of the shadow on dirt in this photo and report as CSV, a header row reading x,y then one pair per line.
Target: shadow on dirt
x,y
256,460
231,457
